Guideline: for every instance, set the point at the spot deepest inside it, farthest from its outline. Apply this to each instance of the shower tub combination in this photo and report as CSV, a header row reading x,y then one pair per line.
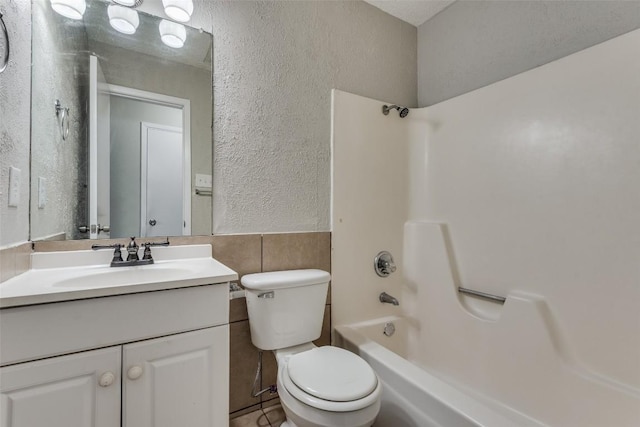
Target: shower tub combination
x,y
447,365
527,189
412,396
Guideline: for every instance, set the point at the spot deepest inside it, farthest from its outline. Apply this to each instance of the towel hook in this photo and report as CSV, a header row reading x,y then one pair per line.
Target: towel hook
x,y
5,61
63,114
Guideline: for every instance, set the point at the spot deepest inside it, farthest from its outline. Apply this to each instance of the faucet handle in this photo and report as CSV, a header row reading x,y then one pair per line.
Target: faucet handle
x,y
147,251
383,264
117,254
114,246
388,267
132,250
165,243
147,248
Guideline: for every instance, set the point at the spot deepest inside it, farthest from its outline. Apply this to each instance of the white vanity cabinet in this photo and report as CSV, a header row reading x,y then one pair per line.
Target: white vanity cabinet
x,y
176,381
64,391
150,359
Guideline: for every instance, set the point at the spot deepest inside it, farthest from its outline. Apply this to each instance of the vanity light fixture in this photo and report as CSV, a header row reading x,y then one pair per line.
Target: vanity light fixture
x,y
178,10
128,3
172,34
73,9
123,19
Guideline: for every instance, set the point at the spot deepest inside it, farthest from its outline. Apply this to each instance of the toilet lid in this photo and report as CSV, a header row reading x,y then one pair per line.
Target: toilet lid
x,y
331,373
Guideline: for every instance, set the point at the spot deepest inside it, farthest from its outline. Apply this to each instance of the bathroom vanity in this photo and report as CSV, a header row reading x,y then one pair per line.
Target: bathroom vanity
x,y
84,344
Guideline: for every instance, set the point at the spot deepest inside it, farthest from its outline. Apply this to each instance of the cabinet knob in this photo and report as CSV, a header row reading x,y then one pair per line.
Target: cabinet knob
x,y
134,372
106,379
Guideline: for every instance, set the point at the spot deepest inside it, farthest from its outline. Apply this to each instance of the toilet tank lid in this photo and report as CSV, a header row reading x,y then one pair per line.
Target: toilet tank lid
x,y
284,279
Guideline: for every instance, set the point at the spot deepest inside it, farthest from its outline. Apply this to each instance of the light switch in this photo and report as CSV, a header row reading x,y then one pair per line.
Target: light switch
x,y
203,181
42,192
14,186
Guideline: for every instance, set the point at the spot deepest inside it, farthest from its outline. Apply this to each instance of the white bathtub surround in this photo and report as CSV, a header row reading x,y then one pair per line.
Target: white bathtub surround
x,y
413,396
525,351
536,180
370,187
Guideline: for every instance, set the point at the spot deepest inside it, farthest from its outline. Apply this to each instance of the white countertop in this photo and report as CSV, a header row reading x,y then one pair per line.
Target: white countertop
x,y
66,276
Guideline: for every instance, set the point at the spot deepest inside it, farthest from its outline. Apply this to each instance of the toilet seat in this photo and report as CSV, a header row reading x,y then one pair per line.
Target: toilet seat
x,y
331,379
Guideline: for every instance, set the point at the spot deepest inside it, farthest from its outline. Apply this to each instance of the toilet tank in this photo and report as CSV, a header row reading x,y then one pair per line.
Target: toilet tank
x,y
285,308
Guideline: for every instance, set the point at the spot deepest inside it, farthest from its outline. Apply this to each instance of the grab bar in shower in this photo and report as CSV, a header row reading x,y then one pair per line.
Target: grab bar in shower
x,y
484,295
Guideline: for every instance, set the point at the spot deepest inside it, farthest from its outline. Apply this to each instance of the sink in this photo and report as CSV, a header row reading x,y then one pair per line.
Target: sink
x,y
109,276
66,276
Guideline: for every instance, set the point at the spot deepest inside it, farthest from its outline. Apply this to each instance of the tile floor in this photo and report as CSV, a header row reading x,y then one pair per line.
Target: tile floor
x,y
272,416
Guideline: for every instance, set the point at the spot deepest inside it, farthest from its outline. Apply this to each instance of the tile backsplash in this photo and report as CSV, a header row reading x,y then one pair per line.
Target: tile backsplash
x,y
14,260
244,253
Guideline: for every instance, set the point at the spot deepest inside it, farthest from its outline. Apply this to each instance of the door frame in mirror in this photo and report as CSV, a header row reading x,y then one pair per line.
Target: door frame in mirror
x,y
171,101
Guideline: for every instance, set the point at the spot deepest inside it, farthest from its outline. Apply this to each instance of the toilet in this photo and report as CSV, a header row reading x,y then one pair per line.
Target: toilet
x,y
318,386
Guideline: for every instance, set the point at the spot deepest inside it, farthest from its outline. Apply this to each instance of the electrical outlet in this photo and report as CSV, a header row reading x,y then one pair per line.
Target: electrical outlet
x,y
42,192
203,181
14,186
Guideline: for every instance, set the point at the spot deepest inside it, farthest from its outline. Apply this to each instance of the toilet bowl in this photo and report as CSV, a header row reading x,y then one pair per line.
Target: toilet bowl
x,y
318,386
326,387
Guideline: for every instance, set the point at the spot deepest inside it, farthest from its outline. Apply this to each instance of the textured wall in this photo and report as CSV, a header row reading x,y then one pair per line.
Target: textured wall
x,y
275,64
58,72
15,107
474,43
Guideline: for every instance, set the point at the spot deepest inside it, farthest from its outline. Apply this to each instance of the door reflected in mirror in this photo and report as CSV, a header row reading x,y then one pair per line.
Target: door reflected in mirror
x,y
139,119
142,156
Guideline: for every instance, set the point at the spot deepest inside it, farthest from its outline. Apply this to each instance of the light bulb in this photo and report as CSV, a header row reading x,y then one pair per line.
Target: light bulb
x,y
178,10
123,19
73,9
128,3
172,34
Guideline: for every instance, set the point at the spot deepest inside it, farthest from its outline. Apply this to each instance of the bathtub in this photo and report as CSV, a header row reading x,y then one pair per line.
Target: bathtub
x,y
412,396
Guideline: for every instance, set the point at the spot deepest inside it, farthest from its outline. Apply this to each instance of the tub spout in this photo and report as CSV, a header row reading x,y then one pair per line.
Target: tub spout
x,y
386,298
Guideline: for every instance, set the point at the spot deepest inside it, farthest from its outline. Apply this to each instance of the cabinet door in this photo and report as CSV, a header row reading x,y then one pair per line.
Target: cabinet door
x,y
179,380
80,390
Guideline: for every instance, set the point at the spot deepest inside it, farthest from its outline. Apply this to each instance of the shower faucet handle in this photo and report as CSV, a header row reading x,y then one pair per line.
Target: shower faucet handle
x,y
383,264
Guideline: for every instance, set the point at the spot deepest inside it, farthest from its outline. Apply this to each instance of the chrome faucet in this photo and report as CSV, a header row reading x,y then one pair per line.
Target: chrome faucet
x,y
132,253
386,298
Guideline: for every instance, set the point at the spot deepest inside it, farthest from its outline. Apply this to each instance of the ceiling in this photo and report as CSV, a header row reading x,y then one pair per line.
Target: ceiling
x,y
415,12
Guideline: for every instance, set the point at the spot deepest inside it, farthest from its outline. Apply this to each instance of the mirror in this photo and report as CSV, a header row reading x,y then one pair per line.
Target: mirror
x,y
121,127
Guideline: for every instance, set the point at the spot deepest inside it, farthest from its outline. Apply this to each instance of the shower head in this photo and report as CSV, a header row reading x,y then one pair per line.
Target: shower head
x,y
404,111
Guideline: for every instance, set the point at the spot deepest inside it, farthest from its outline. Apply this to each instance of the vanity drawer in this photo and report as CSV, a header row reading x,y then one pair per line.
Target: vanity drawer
x,y
39,331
